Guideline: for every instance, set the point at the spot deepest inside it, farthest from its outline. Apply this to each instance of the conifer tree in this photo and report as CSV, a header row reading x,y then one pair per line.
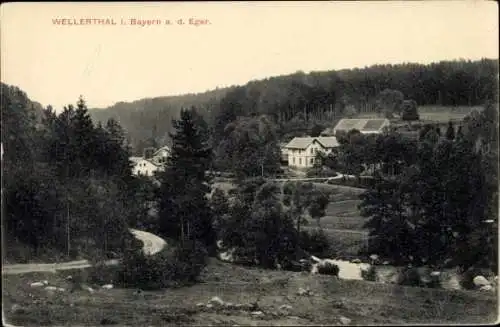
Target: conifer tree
x,y
184,209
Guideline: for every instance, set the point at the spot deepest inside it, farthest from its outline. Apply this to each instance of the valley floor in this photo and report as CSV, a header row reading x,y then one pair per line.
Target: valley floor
x,y
331,301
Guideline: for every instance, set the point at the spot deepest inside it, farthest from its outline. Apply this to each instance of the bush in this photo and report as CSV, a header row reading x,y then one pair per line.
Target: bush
x,y
328,268
370,274
315,242
409,277
165,269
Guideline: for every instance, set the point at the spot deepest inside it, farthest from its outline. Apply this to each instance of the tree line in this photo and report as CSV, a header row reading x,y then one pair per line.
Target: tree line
x,y
316,96
431,200
67,182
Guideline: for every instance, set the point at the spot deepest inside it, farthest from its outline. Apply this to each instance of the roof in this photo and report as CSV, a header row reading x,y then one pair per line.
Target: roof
x,y
136,159
161,149
303,142
363,125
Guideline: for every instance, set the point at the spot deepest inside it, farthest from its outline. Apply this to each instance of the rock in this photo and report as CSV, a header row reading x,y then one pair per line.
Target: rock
x,y
385,263
37,284
51,288
229,305
216,301
89,289
285,307
61,289
486,288
209,306
480,281
302,291
435,273
107,286
16,308
257,313
374,257
200,304
356,261
344,320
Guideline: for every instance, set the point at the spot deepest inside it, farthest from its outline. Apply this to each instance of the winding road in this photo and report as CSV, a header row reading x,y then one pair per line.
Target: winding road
x,y
151,244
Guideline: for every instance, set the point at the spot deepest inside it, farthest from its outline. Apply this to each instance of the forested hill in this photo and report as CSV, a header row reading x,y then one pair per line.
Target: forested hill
x,y
151,118
447,83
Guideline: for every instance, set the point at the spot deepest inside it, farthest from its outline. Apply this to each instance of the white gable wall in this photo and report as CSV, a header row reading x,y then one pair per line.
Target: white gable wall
x,y
304,158
144,168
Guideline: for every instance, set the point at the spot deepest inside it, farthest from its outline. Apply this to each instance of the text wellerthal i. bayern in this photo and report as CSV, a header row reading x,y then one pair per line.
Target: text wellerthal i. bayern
x,y
130,21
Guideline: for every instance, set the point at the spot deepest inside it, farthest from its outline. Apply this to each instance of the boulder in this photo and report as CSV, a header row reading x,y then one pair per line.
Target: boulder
x,y
302,291
216,301
356,261
37,284
344,320
285,307
486,288
480,281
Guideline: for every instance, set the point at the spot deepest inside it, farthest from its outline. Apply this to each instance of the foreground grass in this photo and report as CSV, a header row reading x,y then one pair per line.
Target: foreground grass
x,y
362,302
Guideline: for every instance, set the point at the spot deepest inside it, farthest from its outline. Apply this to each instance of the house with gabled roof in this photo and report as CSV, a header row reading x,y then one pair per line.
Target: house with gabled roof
x,y
148,165
302,151
365,126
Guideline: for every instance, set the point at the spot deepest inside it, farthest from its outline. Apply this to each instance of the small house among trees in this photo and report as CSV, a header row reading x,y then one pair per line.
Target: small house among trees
x,y
150,163
302,151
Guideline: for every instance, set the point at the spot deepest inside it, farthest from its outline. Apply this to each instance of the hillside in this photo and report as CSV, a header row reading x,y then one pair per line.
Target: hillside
x,y
151,118
316,96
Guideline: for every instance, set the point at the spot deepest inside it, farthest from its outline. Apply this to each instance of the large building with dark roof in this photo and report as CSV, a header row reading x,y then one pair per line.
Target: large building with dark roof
x,y
365,126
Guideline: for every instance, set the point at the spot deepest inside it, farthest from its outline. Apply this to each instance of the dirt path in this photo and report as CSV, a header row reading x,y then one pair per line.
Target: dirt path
x,y
151,244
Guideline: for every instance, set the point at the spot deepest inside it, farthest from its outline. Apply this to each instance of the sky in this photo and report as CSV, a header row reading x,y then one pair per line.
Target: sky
x,y
240,41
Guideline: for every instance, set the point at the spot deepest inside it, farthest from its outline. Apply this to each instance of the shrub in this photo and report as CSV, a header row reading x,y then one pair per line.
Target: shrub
x,y
315,242
370,274
328,268
165,269
409,277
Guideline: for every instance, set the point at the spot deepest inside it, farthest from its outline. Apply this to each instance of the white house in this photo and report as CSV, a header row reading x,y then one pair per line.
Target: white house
x,y
144,167
302,150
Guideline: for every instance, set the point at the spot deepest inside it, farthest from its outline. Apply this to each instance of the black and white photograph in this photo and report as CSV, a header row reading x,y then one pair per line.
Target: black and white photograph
x,y
225,163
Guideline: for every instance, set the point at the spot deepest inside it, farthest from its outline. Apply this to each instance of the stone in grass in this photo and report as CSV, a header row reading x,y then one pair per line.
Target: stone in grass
x,y
344,320
216,301
285,307
257,313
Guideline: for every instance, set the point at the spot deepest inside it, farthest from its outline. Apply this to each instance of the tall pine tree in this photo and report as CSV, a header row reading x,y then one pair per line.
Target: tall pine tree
x,y
184,210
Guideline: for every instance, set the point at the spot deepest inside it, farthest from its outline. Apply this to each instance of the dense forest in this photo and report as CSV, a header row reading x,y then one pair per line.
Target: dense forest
x,y
317,96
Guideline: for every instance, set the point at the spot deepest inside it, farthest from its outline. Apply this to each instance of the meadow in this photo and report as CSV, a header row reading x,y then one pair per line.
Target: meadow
x,y
332,302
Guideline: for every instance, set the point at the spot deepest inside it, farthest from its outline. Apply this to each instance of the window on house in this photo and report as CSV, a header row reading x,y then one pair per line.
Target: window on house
x,y
312,161
300,161
293,160
312,150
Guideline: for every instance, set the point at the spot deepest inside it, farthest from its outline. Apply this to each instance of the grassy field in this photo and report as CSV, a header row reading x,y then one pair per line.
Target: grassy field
x,y
436,113
360,301
342,223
